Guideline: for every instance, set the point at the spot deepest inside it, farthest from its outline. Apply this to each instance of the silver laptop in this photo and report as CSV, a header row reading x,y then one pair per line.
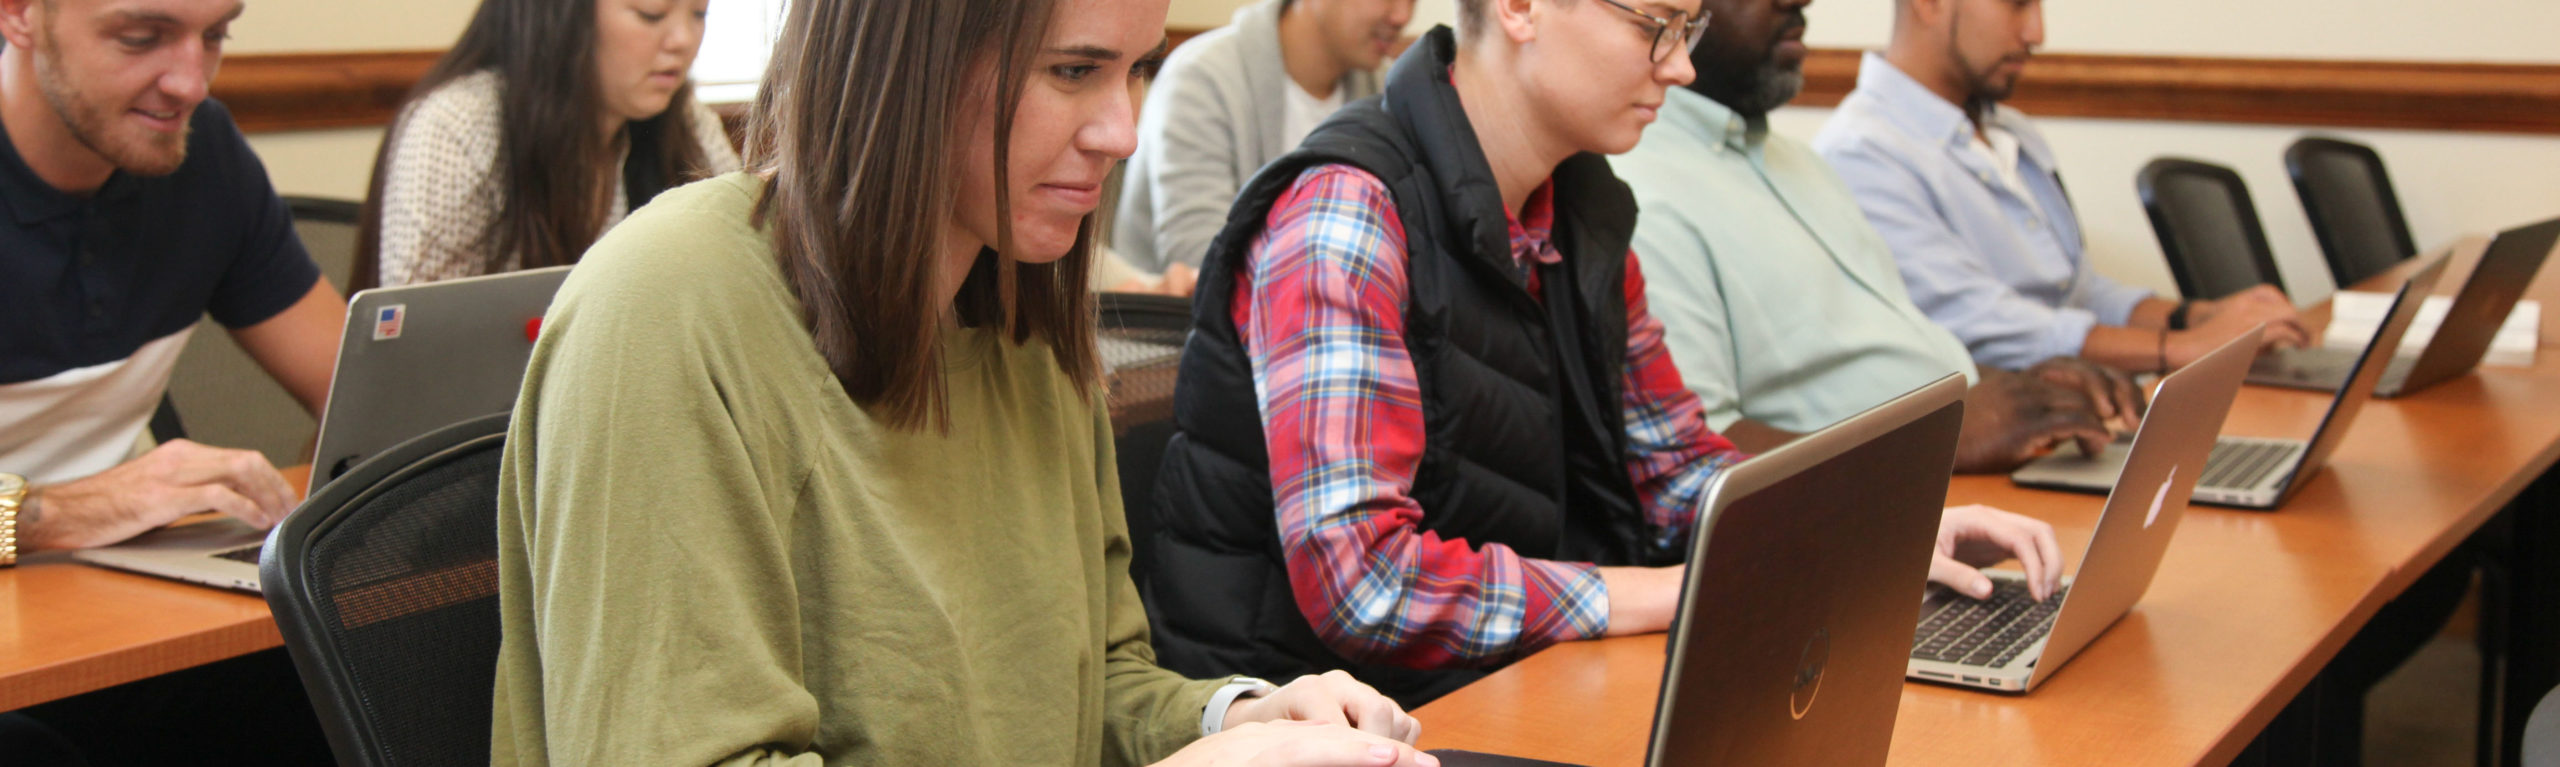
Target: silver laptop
x,y
217,552
2010,642
417,358
413,359
2253,472
2461,339
1798,655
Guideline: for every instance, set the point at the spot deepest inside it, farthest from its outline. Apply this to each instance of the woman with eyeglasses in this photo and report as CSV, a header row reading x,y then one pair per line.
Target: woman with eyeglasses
x,y
812,466
1426,424
547,123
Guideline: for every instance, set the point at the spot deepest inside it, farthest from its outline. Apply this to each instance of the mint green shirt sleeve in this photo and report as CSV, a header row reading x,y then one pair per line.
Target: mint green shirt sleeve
x,y
1682,290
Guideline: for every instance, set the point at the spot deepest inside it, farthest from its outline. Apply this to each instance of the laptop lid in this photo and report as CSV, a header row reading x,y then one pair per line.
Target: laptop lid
x,y
2150,496
2362,378
2472,322
416,358
1796,612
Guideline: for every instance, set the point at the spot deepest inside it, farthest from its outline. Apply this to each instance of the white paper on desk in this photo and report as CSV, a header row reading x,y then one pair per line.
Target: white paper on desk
x,y
2353,314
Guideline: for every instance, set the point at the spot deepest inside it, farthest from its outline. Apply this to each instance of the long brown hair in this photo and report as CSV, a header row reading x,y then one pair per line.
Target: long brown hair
x,y
551,206
859,127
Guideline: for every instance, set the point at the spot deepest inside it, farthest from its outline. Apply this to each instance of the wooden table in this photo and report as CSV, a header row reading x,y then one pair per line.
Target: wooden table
x,y
2246,609
67,628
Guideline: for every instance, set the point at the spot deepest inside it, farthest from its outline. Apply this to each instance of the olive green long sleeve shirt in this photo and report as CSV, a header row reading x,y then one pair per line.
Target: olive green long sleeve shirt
x,y
708,554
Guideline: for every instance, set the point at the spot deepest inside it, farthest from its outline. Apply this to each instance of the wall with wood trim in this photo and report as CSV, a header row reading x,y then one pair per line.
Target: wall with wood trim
x,y
2106,113
328,158
2456,172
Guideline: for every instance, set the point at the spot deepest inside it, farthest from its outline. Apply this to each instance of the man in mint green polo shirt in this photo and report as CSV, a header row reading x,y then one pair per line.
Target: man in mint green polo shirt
x,y
1783,307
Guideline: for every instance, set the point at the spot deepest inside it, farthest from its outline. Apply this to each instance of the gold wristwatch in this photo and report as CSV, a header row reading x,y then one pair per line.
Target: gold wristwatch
x,y
13,491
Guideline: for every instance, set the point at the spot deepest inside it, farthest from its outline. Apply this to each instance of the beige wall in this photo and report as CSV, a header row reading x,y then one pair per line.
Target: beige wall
x,y
2449,183
336,163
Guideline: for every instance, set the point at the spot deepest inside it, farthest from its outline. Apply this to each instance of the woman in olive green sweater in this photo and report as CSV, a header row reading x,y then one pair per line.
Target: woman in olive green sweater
x,y
810,465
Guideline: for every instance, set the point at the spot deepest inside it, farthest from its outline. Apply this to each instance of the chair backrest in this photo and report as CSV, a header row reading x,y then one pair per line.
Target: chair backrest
x,y
225,397
328,230
2353,211
385,585
1141,338
2207,226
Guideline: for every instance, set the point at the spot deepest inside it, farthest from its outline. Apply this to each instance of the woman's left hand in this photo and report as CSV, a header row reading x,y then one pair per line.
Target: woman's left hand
x,y
1332,696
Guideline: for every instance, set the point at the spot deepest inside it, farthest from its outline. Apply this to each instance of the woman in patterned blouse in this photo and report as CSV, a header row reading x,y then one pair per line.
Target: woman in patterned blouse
x,y
545,125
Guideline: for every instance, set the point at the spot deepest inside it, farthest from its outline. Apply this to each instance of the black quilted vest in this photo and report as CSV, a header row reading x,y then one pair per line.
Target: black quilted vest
x,y
1523,427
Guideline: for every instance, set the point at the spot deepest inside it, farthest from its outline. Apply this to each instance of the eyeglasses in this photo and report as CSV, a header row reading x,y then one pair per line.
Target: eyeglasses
x,y
1664,39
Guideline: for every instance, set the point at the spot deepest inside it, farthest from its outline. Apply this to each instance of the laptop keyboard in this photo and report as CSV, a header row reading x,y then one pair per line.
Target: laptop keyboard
x,y
247,553
1987,632
2242,465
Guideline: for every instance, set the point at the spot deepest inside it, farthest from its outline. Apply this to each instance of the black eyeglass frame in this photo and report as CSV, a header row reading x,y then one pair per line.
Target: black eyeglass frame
x,y
1691,30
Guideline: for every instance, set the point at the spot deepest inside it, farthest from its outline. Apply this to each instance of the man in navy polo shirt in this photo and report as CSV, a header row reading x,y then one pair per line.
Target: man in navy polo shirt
x,y
130,207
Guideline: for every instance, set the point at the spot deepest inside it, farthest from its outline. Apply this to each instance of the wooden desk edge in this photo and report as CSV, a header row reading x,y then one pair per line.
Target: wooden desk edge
x,y
107,669
98,671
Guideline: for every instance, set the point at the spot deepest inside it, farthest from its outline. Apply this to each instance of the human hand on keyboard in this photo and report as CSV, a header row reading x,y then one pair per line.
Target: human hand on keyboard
x,y
1975,536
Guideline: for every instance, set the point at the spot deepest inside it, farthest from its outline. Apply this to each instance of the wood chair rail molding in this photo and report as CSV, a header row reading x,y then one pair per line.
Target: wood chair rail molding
x,y
304,91
311,91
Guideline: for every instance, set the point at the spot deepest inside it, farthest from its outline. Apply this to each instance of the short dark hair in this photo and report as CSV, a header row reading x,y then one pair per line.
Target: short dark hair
x,y
1470,18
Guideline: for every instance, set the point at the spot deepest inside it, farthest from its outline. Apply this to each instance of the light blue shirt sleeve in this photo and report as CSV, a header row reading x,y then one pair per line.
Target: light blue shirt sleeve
x,y
2002,328
2110,301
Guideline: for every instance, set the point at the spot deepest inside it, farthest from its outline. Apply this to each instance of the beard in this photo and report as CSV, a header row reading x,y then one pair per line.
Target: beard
x,y
1772,86
94,125
1750,82
1987,87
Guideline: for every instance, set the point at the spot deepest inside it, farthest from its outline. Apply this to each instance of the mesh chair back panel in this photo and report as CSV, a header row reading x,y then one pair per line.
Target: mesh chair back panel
x,y
1139,366
2208,229
406,588
2346,194
1141,343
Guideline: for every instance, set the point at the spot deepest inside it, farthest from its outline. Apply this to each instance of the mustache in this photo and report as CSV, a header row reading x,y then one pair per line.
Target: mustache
x,y
1793,22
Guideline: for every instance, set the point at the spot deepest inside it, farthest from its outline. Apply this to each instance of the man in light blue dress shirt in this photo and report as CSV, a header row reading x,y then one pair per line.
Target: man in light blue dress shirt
x,y
1782,307
1966,192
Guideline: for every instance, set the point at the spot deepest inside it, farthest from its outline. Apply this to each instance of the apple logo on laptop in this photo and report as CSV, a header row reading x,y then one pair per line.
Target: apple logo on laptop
x,y
2160,497
1808,681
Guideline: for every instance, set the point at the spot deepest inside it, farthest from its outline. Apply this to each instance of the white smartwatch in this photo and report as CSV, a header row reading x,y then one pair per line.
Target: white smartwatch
x,y
1214,717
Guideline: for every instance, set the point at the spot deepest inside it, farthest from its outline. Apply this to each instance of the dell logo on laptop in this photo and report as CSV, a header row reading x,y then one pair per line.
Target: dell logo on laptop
x,y
1808,680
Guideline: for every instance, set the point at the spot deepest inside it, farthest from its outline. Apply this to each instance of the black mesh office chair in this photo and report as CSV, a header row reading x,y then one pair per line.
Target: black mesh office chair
x,y
2353,211
385,585
2208,228
1141,338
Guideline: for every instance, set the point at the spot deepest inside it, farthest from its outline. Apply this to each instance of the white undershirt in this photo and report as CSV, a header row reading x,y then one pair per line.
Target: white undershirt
x,y
1302,111
1999,146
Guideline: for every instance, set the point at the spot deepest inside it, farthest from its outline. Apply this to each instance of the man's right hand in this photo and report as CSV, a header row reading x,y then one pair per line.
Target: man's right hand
x,y
1297,744
2011,418
2215,322
176,479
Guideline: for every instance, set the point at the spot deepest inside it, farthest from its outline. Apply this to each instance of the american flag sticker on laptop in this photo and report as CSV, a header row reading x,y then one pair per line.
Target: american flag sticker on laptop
x,y
386,321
